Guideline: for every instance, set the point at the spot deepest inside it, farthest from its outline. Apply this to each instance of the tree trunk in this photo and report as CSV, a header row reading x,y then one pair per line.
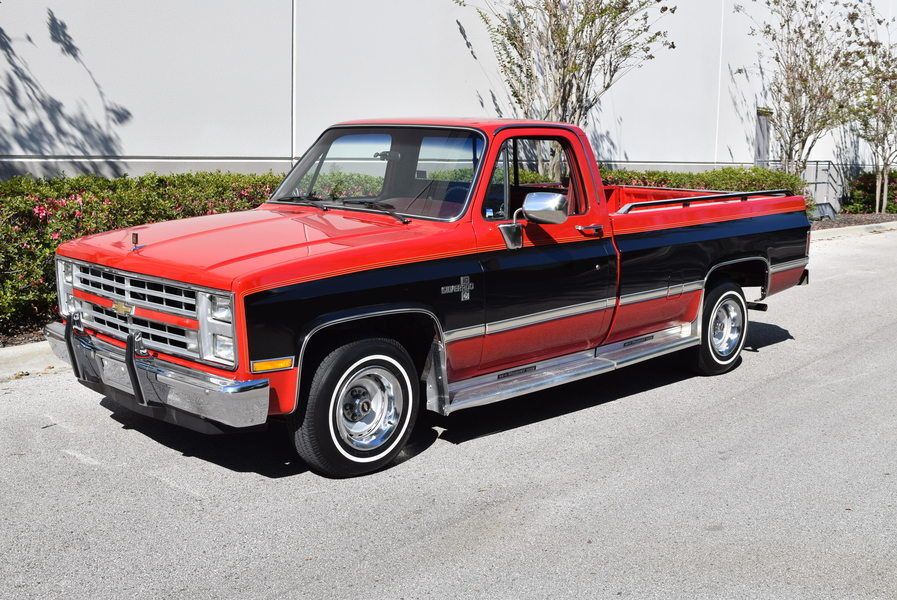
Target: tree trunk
x,y
877,189
884,189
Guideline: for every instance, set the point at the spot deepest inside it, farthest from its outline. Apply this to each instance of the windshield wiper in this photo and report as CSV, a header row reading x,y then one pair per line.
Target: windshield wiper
x,y
379,205
305,201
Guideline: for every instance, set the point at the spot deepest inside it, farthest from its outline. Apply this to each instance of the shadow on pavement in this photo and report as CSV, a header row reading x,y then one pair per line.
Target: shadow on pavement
x,y
474,423
761,335
270,453
266,452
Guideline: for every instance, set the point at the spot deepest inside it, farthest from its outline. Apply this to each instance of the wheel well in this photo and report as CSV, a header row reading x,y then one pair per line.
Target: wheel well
x,y
414,330
746,273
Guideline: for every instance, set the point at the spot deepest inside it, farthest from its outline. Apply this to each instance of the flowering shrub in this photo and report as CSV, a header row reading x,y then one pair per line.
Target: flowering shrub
x,y
36,215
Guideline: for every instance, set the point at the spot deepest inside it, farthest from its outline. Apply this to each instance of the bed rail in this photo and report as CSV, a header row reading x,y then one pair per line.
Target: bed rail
x,y
685,202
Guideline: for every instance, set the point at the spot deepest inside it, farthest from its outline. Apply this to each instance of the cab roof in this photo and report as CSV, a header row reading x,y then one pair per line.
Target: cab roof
x,y
485,124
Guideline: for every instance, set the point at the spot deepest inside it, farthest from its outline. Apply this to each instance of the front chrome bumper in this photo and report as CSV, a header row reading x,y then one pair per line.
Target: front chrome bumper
x,y
155,385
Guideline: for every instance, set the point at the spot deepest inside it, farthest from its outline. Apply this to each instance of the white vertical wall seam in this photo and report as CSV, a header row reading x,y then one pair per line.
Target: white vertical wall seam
x,y
293,68
719,79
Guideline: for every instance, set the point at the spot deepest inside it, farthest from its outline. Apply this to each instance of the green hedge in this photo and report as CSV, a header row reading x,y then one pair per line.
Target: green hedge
x,y
862,194
36,215
730,179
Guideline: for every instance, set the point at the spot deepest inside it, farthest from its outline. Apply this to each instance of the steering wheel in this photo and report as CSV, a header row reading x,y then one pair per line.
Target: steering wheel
x,y
457,192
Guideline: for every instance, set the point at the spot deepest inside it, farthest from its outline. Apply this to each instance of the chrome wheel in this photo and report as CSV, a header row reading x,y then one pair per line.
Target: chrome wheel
x,y
369,408
727,327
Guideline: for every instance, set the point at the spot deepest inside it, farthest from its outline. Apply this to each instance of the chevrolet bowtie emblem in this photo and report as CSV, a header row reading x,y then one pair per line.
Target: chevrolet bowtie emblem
x,y
122,308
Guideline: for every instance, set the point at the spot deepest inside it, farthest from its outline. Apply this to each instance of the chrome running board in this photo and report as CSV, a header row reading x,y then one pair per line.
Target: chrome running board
x,y
527,379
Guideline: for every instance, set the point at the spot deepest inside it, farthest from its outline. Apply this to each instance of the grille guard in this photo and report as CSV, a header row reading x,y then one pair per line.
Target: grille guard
x,y
154,383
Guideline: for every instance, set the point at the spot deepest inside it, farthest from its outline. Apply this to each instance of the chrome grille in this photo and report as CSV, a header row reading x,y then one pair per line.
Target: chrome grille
x,y
136,290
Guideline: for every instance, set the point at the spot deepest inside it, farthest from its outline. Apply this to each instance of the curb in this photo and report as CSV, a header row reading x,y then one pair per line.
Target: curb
x,y
852,231
35,358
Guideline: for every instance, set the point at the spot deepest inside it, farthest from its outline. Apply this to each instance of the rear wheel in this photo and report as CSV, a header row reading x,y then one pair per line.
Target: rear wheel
x,y
360,409
723,329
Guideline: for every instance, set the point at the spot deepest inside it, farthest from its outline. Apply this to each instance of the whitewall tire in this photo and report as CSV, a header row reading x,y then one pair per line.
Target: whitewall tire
x,y
359,410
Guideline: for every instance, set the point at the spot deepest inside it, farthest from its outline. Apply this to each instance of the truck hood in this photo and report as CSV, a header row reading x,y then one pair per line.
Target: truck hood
x,y
259,247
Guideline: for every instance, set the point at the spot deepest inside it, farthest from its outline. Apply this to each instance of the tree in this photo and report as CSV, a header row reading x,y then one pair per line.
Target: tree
x,y
875,107
806,48
558,57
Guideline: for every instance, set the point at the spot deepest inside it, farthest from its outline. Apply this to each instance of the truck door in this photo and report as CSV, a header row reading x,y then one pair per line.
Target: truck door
x,y
556,294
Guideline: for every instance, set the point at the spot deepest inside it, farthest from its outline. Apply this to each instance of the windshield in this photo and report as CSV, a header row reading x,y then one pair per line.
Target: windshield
x,y
413,171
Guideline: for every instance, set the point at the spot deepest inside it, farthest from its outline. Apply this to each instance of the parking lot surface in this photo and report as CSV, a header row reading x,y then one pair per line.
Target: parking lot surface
x,y
776,480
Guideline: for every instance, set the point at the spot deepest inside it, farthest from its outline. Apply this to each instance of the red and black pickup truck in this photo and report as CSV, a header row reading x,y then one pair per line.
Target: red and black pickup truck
x,y
413,265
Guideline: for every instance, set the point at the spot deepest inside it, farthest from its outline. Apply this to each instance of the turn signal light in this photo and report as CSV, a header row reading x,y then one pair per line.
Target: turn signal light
x,y
260,366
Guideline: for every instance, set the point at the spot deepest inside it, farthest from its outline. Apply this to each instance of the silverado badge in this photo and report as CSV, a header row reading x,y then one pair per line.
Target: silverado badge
x,y
464,287
122,308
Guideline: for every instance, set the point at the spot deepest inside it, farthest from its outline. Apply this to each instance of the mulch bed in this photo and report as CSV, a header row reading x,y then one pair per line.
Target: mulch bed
x,y
844,220
24,335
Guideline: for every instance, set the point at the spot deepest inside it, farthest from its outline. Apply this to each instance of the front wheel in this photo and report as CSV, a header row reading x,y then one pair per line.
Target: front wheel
x,y
360,409
723,329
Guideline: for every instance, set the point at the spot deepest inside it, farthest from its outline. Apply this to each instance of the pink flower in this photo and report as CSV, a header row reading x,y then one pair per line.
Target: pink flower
x,y
78,214
54,235
41,212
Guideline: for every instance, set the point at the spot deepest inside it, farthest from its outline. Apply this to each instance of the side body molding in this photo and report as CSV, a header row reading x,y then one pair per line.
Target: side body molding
x,y
435,373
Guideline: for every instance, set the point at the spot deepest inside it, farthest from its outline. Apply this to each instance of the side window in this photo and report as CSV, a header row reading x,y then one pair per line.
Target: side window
x,y
527,165
495,208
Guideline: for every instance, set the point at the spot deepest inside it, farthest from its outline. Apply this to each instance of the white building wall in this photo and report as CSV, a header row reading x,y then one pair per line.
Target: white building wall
x,y
245,85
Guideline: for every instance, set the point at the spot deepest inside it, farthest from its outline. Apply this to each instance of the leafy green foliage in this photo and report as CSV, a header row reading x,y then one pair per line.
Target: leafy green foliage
x,y
36,215
862,194
525,175
729,179
338,184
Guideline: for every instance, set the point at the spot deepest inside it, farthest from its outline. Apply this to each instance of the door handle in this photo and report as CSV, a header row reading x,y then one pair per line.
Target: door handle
x,y
591,229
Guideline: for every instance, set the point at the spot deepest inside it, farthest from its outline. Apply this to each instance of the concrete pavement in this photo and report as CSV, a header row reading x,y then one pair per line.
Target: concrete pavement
x,y
777,480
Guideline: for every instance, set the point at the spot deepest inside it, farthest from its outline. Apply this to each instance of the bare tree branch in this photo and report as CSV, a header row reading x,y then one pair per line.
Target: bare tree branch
x,y
806,49
558,57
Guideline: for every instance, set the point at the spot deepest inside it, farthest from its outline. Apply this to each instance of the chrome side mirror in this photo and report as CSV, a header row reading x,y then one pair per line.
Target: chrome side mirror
x,y
545,207
539,207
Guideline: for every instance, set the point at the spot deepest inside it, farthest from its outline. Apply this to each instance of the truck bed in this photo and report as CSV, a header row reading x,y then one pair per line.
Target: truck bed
x,y
634,209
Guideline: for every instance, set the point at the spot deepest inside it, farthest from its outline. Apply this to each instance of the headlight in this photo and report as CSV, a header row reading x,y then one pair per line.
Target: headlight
x,y
64,288
216,328
220,309
223,347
